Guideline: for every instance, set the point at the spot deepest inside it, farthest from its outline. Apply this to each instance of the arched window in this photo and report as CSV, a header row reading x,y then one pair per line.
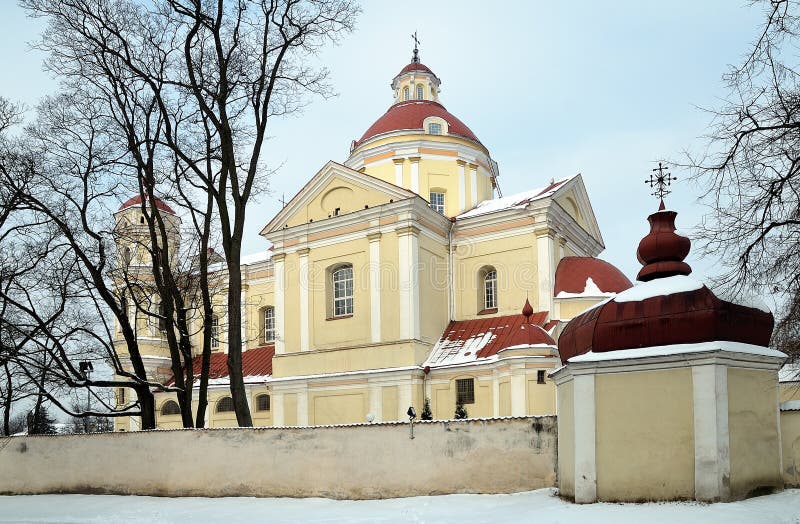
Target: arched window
x,y
420,92
342,281
262,402
215,332
170,407
268,321
406,94
490,289
162,320
225,405
126,256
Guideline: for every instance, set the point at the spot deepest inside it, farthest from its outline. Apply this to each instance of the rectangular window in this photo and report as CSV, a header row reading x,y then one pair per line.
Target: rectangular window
x,y
437,202
121,396
215,332
540,377
434,128
343,291
420,92
490,290
269,324
465,391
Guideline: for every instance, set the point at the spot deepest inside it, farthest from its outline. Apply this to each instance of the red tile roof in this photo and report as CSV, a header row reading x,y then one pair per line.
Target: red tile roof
x,y
465,340
572,273
256,362
137,201
409,115
416,66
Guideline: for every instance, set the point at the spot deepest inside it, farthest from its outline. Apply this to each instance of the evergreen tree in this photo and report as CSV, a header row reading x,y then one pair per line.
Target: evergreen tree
x,y
41,423
461,411
427,414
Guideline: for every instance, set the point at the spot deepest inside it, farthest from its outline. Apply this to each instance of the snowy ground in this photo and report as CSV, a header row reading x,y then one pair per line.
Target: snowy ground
x,y
538,507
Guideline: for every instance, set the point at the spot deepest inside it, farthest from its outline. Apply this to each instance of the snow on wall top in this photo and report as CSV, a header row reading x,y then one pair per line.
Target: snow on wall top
x,y
678,349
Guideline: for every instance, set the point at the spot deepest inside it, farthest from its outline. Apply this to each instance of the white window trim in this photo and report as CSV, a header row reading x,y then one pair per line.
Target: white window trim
x,y
269,324
439,207
490,289
346,297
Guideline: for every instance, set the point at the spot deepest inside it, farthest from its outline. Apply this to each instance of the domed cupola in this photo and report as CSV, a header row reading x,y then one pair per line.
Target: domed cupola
x,y
667,308
419,145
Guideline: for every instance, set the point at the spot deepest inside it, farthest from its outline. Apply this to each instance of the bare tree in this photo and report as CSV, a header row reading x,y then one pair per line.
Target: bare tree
x,y
217,73
751,170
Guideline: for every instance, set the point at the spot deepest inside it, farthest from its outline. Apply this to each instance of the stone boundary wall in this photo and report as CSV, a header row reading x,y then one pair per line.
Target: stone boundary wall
x,y
359,461
790,440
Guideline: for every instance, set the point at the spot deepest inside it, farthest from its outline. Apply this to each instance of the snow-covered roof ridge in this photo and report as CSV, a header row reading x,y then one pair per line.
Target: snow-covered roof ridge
x,y
678,349
659,287
790,372
254,258
591,290
682,284
517,200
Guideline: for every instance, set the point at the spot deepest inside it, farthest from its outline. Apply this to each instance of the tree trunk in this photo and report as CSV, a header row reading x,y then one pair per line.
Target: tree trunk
x,y
147,405
7,401
238,392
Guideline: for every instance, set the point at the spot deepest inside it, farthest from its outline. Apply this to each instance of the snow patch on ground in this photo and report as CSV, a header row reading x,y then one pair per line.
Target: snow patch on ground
x,y
678,349
540,506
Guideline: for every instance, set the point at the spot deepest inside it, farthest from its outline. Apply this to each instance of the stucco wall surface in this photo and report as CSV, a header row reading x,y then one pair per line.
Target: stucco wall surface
x,y
790,440
356,462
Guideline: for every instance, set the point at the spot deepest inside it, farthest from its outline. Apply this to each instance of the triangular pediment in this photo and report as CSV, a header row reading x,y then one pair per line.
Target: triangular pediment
x,y
335,190
573,198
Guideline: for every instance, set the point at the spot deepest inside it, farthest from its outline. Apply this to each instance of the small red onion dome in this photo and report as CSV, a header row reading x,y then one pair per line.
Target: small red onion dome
x,y
137,201
410,116
667,308
527,310
573,272
662,251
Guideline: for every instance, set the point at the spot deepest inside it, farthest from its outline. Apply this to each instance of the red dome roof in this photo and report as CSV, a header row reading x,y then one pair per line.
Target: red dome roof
x,y
572,273
137,201
416,66
410,115
668,308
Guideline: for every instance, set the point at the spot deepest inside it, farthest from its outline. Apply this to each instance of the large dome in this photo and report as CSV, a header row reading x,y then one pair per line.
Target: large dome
x,y
410,115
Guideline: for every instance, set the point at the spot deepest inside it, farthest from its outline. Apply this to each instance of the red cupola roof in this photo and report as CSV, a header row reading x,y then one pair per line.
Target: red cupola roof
x,y
573,273
410,115
137,201
415,66
668,308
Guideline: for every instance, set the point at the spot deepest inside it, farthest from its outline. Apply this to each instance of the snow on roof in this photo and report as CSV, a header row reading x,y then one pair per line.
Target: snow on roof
x,y
742,298
678,349
516,201
790,405
591,290
658,287
255,258
790,372
466,341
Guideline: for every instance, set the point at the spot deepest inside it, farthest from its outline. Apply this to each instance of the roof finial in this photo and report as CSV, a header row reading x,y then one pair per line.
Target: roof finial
x,y
660,181
415,57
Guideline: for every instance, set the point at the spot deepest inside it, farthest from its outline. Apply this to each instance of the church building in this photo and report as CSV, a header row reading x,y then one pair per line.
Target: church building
x,y
402,274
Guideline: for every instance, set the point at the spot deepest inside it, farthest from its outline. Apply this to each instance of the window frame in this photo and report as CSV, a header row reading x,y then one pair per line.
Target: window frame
x,y
215,342
259,398
268,332
439,207
406,94
420,92
490,289
218,407
465,395
339,284
173,411
541,377
438,126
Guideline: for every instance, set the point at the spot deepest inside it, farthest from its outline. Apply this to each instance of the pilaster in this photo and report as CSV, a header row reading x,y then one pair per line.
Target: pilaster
x,y
584,414
712,465
278,262
415,174
462,186
304,286
408,280
545,247
398,171
375,286
473,184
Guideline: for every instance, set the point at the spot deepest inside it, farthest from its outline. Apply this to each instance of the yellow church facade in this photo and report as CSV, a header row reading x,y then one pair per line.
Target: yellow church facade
x,y
402,275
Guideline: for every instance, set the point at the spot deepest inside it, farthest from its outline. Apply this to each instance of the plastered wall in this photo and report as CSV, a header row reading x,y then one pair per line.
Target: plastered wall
x,y
790,440
357,462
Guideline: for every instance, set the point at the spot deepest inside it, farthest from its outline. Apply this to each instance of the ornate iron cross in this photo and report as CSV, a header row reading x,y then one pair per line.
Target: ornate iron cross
x,y
659,180
416,48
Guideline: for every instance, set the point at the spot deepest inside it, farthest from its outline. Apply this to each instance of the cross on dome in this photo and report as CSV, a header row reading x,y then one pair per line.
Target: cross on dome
x,y
659,180
415,57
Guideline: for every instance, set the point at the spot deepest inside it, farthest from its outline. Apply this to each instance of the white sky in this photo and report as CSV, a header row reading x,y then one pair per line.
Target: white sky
x,y
551,88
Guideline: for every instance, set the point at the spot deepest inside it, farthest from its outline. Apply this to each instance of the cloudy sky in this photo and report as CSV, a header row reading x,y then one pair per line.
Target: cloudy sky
x,y
551,88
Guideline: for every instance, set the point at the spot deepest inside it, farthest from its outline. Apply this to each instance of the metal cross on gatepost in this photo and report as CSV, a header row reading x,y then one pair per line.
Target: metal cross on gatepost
x,y
415,58
660,179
